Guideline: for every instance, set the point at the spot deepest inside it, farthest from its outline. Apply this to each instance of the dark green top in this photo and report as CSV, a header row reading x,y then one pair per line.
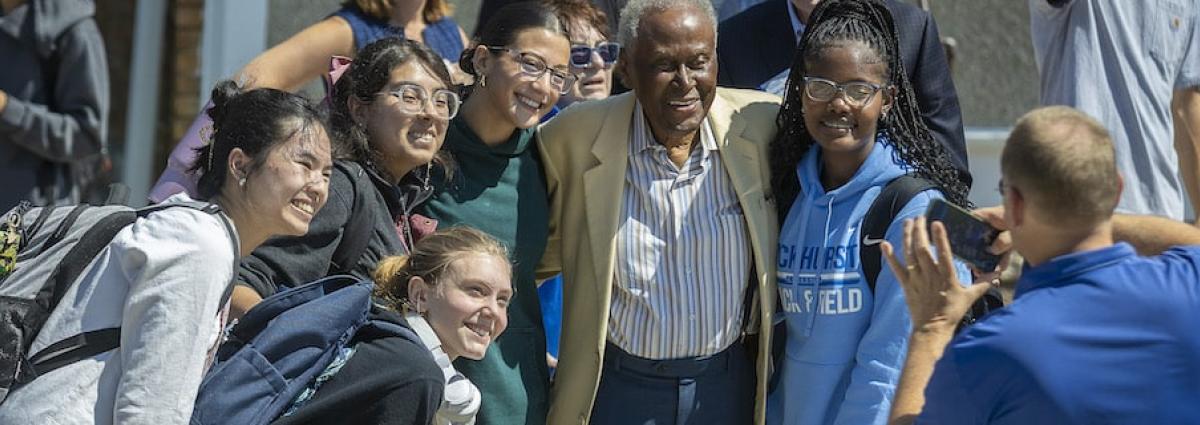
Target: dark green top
x,y
501,190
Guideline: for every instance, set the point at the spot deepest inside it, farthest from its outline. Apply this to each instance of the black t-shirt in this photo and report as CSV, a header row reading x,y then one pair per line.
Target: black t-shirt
x,y
387,381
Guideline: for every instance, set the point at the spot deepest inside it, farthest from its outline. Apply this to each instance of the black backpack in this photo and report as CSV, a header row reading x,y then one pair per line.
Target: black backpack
x,y
883,211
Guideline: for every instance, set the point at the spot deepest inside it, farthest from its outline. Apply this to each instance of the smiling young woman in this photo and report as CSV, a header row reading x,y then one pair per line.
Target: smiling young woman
x,y
849,126
521,66
162,281
453,291
391,110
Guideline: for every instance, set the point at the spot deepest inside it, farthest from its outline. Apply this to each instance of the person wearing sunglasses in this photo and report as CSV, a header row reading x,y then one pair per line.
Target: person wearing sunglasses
x,y
391,110
520,62
592,53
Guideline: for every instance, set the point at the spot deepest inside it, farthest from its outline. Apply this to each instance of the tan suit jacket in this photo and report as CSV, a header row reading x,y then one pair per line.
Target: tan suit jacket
x,y
585,154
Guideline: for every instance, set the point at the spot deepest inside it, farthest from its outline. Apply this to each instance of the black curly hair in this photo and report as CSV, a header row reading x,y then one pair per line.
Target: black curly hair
x,y
833,24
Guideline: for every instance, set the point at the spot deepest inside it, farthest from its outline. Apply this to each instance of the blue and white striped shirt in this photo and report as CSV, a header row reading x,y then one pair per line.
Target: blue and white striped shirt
x,y
683,252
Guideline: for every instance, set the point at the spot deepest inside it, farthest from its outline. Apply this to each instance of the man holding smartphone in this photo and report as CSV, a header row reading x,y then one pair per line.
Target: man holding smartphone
x,y
1096,333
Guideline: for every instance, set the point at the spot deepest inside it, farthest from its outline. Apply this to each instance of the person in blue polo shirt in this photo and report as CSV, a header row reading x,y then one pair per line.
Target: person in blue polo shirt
x,y
1096,333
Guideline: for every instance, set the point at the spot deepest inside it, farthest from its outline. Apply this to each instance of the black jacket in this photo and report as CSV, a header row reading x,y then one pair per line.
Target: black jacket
x,y
387,381
758,44
288,261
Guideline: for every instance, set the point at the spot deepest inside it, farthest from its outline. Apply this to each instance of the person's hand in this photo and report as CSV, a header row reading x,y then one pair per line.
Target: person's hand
x,y
994,216
936,300
3,100
1001,245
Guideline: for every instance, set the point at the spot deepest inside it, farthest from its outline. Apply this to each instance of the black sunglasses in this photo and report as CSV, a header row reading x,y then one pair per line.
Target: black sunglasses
x,y
581,55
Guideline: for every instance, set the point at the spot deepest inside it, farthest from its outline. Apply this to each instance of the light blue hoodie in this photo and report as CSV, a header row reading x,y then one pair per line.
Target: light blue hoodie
x,y
843,362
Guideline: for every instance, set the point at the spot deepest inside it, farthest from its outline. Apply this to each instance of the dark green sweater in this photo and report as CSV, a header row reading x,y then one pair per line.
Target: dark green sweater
x,y
501,190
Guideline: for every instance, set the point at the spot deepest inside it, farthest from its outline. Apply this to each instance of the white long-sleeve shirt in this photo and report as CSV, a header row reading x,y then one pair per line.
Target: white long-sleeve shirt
x,y
161,280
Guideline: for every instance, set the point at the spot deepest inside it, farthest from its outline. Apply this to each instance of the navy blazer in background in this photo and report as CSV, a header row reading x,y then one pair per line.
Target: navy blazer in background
x,y
758,44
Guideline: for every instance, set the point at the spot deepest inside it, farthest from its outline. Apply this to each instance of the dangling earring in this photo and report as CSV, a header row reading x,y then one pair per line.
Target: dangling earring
x,y
242,182
483,80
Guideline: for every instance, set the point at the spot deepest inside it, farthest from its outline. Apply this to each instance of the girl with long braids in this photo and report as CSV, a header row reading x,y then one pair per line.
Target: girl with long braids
x,y
849,125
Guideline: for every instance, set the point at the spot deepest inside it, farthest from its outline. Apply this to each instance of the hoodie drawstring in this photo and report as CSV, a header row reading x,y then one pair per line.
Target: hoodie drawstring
x,y
816,281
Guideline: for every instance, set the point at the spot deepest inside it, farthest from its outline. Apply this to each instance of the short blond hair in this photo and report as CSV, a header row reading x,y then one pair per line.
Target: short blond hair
x,y
434,10
1064,161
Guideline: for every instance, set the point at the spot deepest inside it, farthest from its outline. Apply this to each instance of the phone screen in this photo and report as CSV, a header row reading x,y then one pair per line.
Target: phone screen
x,y
969,236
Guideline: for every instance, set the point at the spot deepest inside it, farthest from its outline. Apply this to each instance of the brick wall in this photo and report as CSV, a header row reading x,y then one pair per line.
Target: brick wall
x,y
180,77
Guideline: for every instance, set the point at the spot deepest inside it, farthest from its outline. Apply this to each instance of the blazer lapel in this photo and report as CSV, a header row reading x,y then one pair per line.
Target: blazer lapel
x,y
603,185
738,154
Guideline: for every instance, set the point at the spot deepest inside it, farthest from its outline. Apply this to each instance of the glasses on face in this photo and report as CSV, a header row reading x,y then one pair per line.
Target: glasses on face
x,y
534,66
822,90
581,54
412,99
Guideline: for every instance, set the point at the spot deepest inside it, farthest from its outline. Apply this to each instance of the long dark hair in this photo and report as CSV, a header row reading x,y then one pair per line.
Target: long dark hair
x,y
832,24
368,74
254,121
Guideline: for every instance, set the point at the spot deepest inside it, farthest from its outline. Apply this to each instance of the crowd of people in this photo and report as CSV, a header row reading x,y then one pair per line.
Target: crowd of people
x,y
644,216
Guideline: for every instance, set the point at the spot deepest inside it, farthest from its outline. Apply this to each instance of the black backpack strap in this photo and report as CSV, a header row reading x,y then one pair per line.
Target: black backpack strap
x,y
357,231
879,217
75,348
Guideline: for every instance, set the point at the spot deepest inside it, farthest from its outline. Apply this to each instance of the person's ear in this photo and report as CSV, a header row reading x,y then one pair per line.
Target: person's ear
x,y
889,99
481,60
1120,187
418,294
239,165
1015,207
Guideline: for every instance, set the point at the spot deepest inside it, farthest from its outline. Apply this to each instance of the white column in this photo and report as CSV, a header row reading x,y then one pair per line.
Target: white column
x,y
142,116
234,33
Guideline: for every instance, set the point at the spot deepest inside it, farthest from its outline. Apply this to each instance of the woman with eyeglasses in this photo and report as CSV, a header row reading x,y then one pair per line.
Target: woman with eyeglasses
x,y
521,66
389,119
849,126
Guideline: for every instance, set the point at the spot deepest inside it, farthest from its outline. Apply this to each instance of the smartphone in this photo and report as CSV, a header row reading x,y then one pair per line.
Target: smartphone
x,y
969,235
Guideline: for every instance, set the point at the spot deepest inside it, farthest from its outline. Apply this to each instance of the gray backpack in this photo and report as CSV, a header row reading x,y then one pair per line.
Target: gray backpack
x,y
43,252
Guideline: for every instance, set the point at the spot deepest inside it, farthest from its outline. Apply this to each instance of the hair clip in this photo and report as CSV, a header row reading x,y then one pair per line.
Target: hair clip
x,y
206,139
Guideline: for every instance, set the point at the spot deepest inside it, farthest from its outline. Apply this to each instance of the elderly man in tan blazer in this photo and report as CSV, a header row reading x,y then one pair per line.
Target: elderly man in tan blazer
x,y
665,234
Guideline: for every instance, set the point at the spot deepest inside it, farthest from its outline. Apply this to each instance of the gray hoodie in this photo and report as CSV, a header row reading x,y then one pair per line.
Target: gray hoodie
x,y
49,127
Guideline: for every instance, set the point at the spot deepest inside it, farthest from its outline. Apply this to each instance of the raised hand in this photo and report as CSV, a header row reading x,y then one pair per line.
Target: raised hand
x,y
935,297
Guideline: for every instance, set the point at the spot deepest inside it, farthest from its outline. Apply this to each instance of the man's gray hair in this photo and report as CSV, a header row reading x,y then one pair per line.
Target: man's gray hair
x,y
632,13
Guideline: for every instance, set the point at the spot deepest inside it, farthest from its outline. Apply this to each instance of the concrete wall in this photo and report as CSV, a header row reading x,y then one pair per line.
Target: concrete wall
x,y
994,72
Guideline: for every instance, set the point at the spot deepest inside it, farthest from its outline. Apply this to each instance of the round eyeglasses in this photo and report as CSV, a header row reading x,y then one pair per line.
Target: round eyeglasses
x,y
857,93
413,100
581,54
534,66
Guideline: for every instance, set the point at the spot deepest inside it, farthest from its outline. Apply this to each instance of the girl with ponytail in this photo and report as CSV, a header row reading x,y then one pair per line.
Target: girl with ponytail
x,y
453,290
849,125
163,281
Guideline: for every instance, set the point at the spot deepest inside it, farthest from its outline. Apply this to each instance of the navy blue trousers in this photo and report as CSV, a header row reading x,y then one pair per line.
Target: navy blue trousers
x,y
716,389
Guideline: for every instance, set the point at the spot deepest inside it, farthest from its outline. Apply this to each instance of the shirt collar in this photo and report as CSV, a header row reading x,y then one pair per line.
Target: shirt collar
x,y
797,26
643,138
1065,267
